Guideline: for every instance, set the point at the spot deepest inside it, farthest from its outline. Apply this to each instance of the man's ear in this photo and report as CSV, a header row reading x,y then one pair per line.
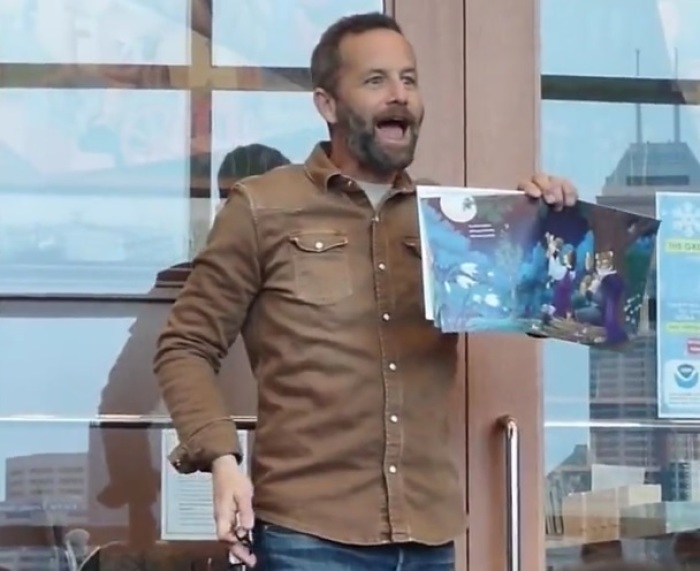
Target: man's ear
x,y
325,105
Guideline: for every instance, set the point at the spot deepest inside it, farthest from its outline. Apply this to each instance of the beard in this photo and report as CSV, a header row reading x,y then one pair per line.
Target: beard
x,y
361,139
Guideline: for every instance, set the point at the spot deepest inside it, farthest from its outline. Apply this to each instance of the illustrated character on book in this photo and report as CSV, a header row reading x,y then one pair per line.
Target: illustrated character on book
x,y
604,288
619,267
561,271
594,264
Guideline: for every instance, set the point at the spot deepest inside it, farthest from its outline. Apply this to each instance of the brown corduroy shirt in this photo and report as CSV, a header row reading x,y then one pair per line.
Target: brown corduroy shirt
x,y
354,382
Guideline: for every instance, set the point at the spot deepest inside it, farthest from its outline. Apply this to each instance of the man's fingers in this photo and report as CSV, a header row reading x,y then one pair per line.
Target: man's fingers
x,y
244,508
225,517
543,181
554,196
243,554
530,189
570,193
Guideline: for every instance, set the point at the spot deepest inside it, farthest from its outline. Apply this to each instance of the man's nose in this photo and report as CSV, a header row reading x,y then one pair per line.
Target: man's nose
x,y
399,93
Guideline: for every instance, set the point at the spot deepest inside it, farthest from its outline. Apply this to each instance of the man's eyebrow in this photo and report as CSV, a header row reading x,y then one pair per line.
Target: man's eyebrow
x,y
380,71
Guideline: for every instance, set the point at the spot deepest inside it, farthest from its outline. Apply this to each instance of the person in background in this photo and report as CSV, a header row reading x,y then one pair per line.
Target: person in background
x,y
131,389
245,161
318,266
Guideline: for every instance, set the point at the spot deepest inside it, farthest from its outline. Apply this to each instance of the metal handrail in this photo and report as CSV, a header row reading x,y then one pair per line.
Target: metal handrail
x,y
115,420
669,423
513,514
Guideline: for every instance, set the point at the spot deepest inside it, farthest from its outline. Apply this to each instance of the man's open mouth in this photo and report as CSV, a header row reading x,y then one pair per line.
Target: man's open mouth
x,y
393,129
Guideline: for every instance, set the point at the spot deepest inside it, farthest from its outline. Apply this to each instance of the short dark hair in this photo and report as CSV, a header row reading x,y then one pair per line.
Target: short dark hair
x,y
247,161
326,60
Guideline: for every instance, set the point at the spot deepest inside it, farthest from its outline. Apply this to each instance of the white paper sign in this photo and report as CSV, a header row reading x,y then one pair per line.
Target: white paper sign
x,y
186,508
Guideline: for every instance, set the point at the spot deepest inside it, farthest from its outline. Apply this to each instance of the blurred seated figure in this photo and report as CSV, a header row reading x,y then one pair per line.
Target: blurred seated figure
x,y
132,471
246,161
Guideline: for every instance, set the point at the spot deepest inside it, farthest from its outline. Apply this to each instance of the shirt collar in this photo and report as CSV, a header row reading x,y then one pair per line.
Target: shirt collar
x,y
327,176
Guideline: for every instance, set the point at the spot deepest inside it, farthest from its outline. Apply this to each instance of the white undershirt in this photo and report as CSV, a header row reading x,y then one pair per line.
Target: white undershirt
x,y
375,192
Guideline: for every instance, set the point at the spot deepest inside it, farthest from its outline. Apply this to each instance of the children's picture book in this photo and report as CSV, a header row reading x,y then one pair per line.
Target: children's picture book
x,y
495,260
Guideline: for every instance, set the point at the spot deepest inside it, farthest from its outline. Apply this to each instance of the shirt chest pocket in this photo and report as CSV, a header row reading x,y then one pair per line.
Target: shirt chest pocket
x,y
410,282
321,267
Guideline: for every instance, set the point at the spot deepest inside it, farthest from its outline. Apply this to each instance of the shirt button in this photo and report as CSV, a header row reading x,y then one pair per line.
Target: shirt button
x,y
318,245
381,266
386,317
393,418
392,366
392,469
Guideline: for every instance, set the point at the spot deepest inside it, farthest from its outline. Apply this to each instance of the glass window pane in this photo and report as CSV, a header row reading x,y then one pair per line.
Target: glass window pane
x,y
264,129
88,359
621,482
599,37
94,196
67,489
286,122
95,32
593,144
270,33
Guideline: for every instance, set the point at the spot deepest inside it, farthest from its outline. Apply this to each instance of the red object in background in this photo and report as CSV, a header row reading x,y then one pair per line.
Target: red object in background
x,y
692,346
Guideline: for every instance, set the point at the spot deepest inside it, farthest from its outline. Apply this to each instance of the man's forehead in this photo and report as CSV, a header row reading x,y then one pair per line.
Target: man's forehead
x,y
377,49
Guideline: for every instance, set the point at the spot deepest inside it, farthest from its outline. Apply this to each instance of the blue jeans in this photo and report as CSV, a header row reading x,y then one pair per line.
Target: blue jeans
x,y
281,549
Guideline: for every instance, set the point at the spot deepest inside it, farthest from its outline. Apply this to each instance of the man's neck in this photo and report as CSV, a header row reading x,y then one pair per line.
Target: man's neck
x,y
350,167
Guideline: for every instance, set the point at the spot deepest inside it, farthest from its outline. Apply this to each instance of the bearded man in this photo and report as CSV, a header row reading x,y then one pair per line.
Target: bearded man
x,y
318,267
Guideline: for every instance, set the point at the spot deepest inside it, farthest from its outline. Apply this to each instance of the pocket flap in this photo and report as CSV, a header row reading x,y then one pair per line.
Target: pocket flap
x,y
318,242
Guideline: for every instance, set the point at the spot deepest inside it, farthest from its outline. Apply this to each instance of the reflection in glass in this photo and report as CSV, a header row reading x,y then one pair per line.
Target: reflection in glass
x,y
616,499
57,132
88,244
598,145
270,33
284,126
95,187
286,121
615,489
604,36
68,489
566,396
238,163
620,483
78,360
95,32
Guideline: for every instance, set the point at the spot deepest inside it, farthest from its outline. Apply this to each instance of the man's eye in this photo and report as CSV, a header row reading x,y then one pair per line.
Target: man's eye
x,y
374,80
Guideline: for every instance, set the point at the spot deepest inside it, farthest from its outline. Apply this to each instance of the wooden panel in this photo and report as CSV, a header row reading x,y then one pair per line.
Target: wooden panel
x,y
502,104
436,30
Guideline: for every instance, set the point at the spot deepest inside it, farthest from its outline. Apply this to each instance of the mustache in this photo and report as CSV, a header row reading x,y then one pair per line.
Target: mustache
x,y
398,114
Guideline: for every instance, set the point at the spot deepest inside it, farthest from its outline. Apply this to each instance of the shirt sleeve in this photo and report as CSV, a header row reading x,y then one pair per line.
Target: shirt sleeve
x,y
203,323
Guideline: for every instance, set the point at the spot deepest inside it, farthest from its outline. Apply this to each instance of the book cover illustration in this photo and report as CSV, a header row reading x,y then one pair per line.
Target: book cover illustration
x,y
500,262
